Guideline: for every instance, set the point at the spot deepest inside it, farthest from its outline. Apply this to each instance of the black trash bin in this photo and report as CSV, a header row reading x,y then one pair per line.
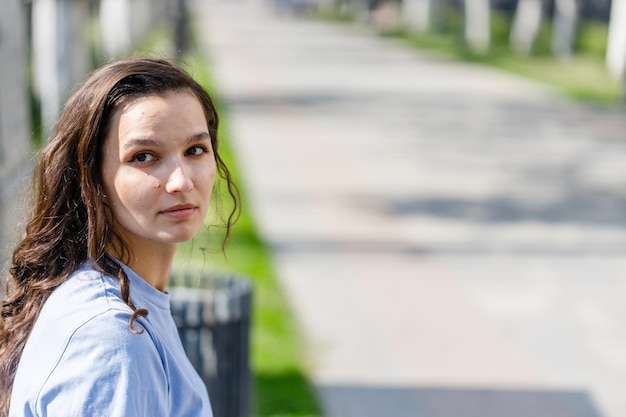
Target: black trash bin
x,y
212,313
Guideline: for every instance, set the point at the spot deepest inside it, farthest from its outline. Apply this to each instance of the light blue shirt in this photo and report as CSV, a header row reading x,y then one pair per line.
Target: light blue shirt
x,y
81,358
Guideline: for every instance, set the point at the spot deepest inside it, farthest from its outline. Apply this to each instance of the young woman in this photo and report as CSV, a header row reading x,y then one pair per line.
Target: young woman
x,y
128,174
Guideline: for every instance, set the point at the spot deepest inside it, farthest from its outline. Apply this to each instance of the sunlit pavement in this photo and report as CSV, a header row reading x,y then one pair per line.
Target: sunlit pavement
x,y
452,238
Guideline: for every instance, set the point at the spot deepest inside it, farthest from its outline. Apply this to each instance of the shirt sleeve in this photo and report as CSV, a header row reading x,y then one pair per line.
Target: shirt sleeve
x,y
107,370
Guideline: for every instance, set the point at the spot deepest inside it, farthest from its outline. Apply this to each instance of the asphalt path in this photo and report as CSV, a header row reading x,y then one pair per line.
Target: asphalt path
x,y
451,238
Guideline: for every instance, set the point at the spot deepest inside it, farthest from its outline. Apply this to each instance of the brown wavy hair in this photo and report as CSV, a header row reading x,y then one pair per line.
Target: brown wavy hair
x,y
69,221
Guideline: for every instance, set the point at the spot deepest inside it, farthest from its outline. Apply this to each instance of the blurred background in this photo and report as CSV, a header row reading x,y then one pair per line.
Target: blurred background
x,y
434,190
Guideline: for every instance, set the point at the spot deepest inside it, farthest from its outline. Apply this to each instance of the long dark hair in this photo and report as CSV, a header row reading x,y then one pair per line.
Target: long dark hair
x,y
69,221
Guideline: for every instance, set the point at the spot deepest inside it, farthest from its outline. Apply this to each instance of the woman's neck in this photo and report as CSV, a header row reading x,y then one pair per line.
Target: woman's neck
x,y
153,263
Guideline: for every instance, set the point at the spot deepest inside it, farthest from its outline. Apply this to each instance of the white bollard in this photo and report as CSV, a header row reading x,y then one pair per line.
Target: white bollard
x,y
478,25
526,25
616,44
45,69
61,55
418,15
115,27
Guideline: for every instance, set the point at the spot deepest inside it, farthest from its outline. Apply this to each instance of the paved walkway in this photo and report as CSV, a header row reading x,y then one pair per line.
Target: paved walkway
x,y
452,238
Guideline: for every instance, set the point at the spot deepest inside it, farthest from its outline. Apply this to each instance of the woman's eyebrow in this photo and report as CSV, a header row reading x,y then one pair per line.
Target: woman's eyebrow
x,y
151,143
141,142
199,136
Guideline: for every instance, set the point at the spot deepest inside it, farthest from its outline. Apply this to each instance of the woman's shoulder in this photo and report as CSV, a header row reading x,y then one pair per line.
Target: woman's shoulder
x,y
87,299
87,292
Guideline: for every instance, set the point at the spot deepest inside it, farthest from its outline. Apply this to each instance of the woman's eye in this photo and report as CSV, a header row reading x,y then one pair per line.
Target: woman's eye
x,y
196,150
143,157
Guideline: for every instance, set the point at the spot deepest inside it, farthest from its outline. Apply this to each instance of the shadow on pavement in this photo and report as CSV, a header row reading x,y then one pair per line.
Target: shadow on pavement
x,y
575,205
455,402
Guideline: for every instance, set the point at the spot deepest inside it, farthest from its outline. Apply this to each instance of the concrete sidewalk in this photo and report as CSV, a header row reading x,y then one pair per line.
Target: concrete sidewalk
x,y
451,238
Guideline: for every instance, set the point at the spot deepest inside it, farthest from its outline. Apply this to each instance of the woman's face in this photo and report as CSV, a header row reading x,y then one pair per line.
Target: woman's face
x,y
158,169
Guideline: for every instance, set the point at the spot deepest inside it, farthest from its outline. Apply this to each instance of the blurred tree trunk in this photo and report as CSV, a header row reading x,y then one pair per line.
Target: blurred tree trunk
x,y
478,25
564,27
616,45
526,25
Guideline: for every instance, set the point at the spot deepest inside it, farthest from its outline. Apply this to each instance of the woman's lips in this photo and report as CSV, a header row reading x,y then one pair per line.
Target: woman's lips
x,y
179,211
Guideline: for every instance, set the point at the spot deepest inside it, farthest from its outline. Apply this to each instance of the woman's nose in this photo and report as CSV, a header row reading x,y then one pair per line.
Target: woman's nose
x,y
178,180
